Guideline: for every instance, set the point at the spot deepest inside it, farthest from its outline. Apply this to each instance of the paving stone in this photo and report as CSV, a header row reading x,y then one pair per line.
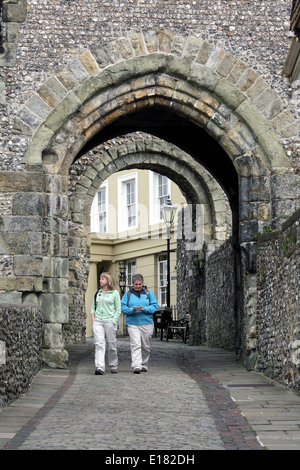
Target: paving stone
x,y
185,385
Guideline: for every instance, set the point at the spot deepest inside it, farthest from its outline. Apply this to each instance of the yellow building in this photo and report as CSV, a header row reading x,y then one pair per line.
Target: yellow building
x,y
127,225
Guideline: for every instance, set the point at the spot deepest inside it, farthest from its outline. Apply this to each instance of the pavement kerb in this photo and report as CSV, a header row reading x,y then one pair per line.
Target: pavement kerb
x,y
271,410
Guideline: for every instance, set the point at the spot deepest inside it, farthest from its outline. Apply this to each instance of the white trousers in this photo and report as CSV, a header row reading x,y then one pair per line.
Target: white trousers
x,y
105,337
140,336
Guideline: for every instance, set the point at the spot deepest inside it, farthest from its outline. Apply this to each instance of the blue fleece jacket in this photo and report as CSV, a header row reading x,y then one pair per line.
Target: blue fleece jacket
x,y
147,301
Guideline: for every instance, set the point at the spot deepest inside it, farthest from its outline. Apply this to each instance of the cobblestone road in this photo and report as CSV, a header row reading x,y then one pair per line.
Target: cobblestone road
x,y
161,409
174,406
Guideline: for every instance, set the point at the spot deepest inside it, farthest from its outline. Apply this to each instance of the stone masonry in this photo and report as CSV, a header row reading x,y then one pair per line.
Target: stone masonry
x,y
278,287
220,298
71,70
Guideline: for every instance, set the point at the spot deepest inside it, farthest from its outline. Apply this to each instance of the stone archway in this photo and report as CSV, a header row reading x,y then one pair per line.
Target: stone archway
x,y
147,152
205,85
141,151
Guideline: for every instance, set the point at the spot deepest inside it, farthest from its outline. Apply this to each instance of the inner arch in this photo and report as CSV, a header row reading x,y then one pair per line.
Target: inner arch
x,y
171,127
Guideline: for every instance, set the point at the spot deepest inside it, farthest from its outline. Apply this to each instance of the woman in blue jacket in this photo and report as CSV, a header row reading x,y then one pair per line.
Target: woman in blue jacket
x,y
139,304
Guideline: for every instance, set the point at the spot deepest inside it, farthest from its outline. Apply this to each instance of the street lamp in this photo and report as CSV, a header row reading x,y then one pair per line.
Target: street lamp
x,y
168,213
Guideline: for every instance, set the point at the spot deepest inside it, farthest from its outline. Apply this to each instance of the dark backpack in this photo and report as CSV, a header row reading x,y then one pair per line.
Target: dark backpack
x,y
95,299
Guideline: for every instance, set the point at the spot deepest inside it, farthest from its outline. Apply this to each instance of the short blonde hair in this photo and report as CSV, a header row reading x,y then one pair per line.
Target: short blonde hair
x,y
110,279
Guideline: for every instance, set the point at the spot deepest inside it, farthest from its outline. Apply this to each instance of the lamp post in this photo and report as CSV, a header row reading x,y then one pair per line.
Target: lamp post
x,y
122,277
168,213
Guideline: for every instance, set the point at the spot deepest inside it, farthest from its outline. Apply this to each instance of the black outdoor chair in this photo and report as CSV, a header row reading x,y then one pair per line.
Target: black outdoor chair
x,y
178,327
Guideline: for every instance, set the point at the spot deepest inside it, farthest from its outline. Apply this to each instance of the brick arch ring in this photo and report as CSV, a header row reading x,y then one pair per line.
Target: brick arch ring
x,y
186,74
147,152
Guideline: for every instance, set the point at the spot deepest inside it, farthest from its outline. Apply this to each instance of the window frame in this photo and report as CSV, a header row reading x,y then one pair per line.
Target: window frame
x,y
162,288
154,204
95,222
122,202
131,262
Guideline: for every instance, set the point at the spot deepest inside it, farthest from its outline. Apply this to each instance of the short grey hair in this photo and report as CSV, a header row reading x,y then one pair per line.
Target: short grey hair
x,y
137,277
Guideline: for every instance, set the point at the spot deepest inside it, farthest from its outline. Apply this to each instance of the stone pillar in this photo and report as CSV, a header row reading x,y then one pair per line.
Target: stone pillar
x,y
21,238
79,253
265,201
33,258
34,252
55,296
92,287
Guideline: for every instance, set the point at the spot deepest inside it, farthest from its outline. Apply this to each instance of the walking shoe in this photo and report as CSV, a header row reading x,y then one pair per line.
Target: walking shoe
x,y
99,372
144,369
136,371
114,371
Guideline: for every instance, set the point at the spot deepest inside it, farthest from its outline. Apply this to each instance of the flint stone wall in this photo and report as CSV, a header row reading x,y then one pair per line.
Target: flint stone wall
x,y
41,36
220,298
20,350
191,291
278,291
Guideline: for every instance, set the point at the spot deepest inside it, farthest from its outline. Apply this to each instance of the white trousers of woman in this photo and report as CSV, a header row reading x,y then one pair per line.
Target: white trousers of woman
x,y
140,336
105,337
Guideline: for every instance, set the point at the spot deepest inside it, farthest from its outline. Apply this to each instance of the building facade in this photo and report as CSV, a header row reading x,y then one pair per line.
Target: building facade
x,y
127,226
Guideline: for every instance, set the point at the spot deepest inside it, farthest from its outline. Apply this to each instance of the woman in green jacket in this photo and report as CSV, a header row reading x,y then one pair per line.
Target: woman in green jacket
x,y
106,309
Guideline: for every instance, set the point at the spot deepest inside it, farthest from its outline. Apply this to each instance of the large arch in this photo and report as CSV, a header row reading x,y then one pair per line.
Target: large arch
x,y
157,67
220,98
206,85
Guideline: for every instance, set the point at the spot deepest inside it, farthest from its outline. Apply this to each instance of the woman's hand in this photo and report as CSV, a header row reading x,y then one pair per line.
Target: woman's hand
x,y
138,308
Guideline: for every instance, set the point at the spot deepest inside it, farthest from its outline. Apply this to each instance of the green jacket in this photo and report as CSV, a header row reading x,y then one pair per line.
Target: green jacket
x,y
108,306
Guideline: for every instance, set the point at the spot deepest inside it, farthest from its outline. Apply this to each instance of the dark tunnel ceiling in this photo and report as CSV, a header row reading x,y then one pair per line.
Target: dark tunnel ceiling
x,y
192,139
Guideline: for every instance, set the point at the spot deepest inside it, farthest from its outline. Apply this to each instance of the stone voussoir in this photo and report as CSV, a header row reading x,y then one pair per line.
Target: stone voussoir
x,y
144,45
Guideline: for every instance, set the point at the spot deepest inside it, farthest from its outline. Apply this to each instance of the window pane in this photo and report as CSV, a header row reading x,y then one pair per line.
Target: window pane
x,y
162,185
102,210
101,200
102,222
131,270
163,296
162,279
131,221
130,190
131,207
162,192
